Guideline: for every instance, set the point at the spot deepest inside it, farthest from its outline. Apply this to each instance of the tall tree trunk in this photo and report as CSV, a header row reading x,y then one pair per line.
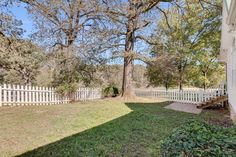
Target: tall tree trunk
x,y
180,81
181,69
127,87
180,86
166,86
205,76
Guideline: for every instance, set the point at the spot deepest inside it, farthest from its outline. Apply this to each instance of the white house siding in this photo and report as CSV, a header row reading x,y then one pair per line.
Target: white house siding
x,y
228,55
231,78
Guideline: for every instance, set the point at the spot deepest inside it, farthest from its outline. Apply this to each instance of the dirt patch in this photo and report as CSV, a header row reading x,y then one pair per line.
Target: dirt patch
x,y
218,116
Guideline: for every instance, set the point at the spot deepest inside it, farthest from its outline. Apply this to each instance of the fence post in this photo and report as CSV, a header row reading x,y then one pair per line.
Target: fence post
x,y
5,94
9,96
26,95
46,95
30,95
13,95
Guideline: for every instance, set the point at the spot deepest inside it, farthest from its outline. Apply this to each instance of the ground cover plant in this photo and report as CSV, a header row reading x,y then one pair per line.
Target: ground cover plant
x,y
197,138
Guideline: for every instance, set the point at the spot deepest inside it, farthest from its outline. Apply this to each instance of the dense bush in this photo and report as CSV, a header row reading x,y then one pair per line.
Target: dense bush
x,y
196,139
65,89
111,91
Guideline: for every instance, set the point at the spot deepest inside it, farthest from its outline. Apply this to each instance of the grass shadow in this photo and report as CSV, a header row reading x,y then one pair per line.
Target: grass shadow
x,y
138,133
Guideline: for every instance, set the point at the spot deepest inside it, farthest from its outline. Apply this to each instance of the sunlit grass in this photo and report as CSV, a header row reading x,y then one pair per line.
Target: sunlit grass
x,y
28,127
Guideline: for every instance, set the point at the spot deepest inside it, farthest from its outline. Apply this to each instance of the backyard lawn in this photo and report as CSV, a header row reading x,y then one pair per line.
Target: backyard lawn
x,y
96,128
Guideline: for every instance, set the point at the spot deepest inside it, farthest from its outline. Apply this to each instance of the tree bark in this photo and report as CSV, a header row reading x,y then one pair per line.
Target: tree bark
x,y
181,69
166,86
127,88
180,86
181,81
127,84
205,76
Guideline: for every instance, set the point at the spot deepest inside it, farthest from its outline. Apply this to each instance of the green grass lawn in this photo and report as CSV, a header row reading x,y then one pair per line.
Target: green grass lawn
x,y
101,128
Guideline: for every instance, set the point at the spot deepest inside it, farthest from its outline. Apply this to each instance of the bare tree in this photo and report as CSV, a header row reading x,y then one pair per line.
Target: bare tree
x,y
129,17
62,21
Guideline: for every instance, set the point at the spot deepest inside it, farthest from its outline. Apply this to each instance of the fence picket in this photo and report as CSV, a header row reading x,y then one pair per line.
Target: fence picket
x,y
9,96
30,95
185,96
34,95
46,95
13,95
26,95
5,94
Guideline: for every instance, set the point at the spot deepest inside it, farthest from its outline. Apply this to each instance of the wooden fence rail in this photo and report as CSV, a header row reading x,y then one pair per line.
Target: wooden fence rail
x,y
13,95
185,96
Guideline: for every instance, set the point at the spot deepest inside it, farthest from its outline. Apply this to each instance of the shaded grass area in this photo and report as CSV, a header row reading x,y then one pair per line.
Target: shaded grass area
x,y
102,128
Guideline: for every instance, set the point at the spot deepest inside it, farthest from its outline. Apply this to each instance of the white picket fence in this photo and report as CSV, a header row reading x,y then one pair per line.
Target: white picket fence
x,y
14,95
186,96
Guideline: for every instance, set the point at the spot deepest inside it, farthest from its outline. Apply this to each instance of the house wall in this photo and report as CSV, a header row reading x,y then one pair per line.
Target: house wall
x,y
228,55
231,77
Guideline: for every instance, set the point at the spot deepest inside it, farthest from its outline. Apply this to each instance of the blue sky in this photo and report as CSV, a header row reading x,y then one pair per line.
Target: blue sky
x,y
20,13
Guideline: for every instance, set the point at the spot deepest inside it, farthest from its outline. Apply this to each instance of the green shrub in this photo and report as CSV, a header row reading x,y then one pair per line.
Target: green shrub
x,y
111,91
196,139
66,89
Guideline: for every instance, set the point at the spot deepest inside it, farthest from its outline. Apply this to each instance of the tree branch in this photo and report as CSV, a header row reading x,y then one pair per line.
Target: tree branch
x,y
146,40
166,18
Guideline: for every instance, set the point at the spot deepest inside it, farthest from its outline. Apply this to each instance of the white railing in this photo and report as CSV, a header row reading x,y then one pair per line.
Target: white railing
x,y
185,96
14,95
